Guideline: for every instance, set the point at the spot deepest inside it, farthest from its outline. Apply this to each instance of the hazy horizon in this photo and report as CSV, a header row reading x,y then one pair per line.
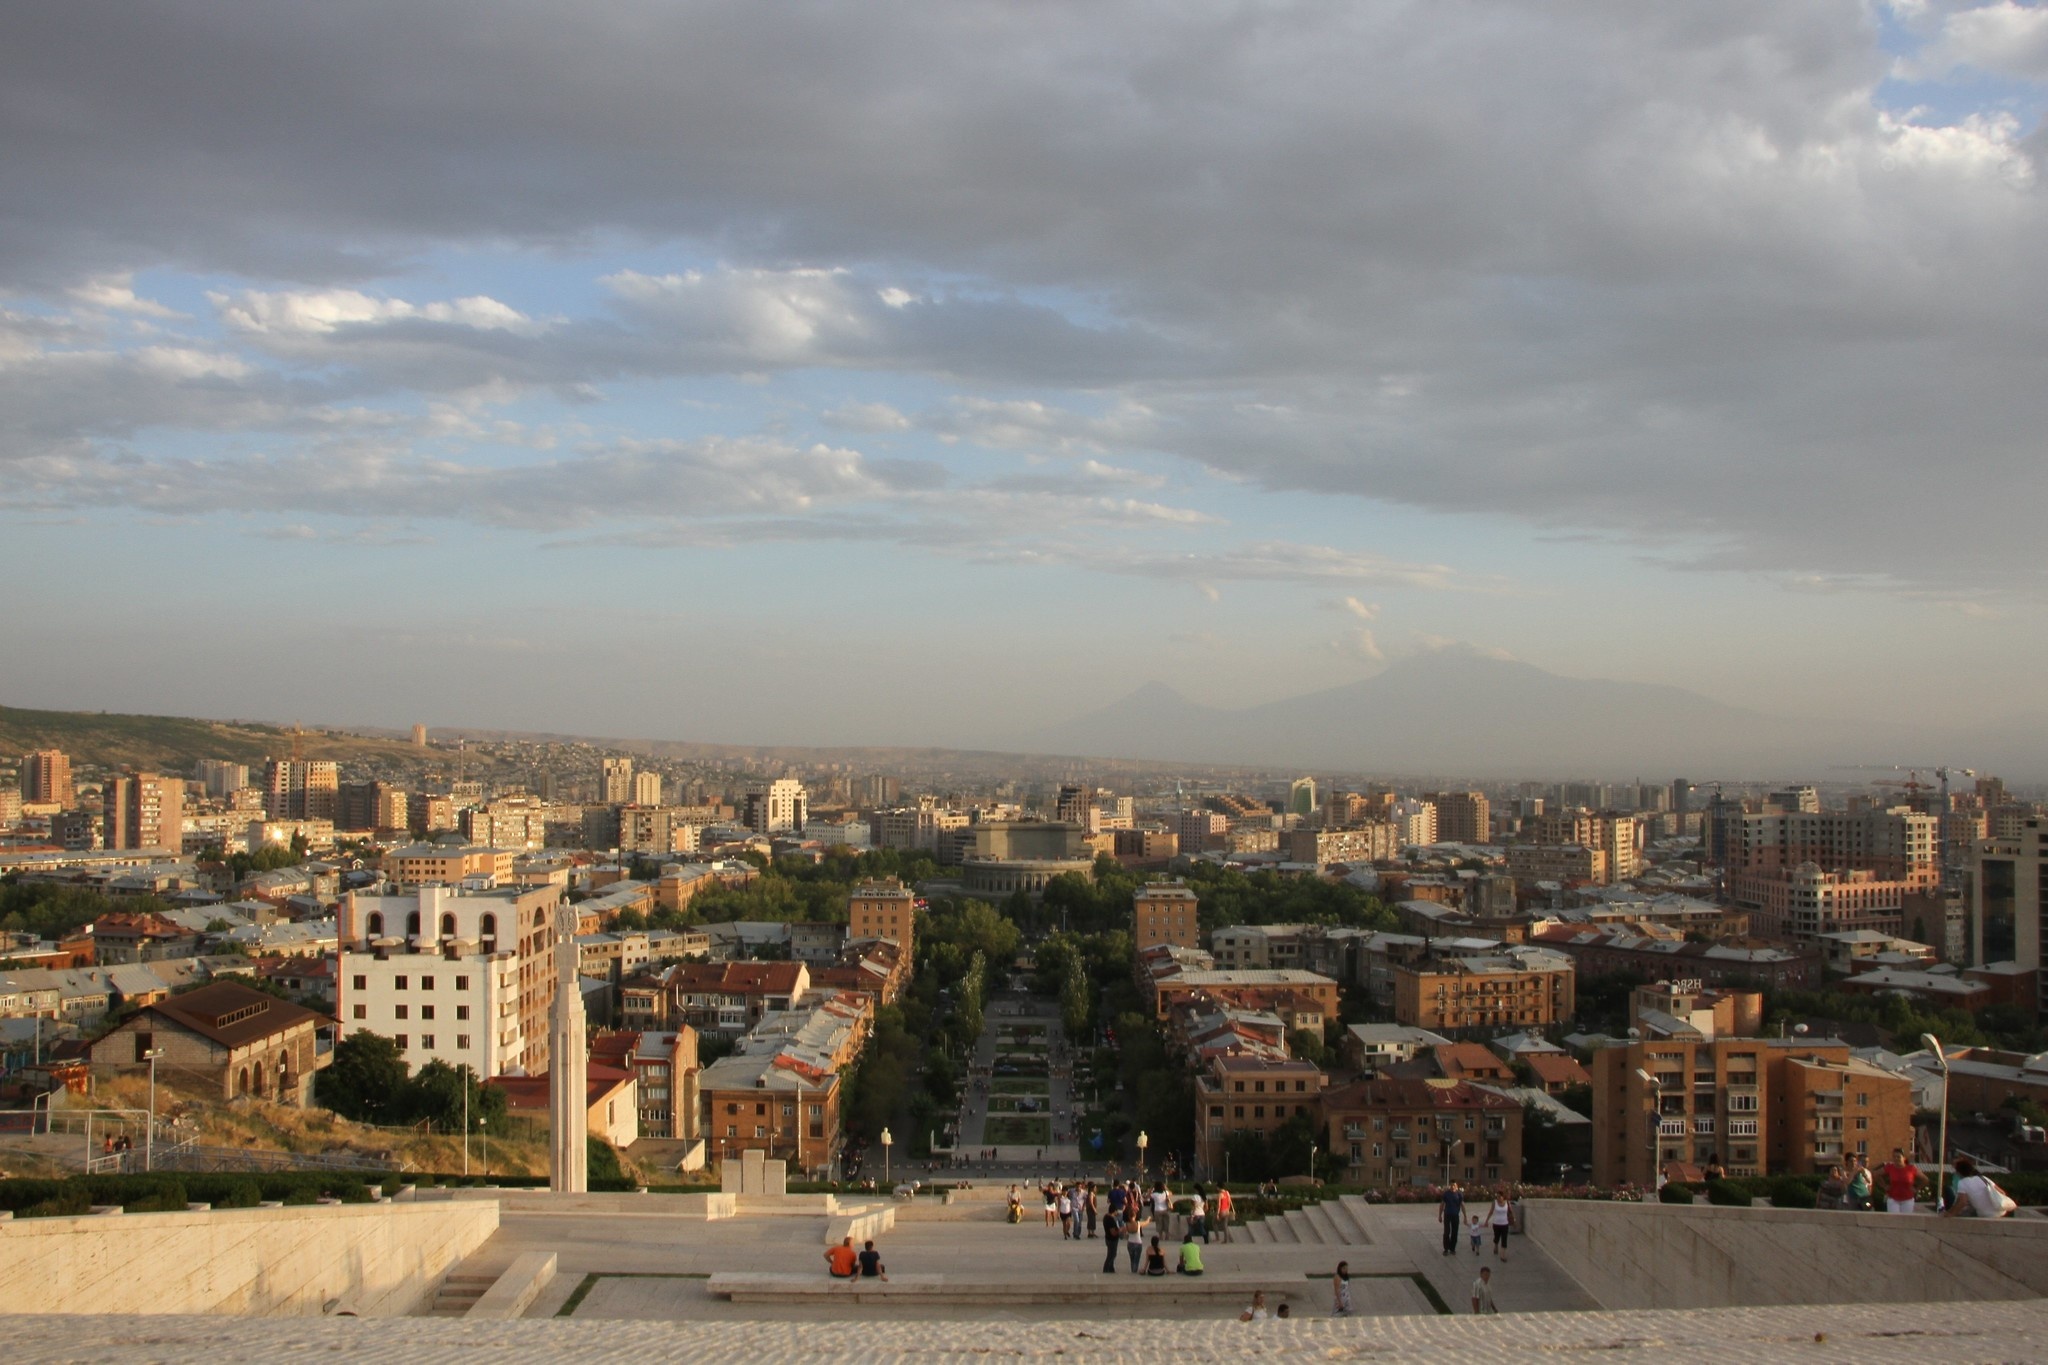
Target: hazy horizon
x,y
912,374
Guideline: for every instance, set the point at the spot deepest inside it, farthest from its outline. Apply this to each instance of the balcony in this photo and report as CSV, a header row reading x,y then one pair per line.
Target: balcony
x,y
1742,1128
1354,1132
1827,1101
1703,1127
1671,1128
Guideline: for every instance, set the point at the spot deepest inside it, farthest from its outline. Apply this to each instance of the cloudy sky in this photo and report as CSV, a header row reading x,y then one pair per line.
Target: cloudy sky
x,y
893,372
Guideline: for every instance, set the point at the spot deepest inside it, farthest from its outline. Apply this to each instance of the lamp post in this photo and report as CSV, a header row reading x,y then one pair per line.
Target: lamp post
x,y
1143,1143
1933,1044
465,1120
1656,1116
483,1142
149,1132
887,1143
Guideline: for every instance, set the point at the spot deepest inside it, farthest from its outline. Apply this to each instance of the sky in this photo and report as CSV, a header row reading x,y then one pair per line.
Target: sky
x,y
907,373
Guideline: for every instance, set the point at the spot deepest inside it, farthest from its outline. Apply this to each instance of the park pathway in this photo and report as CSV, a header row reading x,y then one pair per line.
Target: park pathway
x,y
1064,1157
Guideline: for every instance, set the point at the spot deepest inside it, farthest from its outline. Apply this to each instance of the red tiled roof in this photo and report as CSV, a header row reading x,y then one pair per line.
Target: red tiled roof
x,y
1413,1093
1554,1068
736,978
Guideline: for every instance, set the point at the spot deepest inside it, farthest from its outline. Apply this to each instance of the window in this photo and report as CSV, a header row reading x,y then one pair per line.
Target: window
x,y
375,925
1376,1150
1863,1125
732,1130
462,982
759,1131
362,1011
426,983
426,1040
1237,1086
1258,1111
399,983
447,926
401,1012
462,1042
462,1011
403,1042
760,1109
412,924
359,983
1240,1112
1259,1086
1862,1099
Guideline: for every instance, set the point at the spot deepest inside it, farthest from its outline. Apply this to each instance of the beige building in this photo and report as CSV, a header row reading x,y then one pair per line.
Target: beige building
x,y
1565,864
1463,817
1486,994
1802,903
1251,1094
253,1042
426,864
144,810
883,908
1616,836
46,778
301,789
1373,841
615,781
1391,1132
1165,912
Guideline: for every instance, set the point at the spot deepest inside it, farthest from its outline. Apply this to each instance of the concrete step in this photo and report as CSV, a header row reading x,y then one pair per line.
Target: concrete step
x,y
1326,1227
1353,1232
1362,1213
1256,1233
1305,1231
1282,1232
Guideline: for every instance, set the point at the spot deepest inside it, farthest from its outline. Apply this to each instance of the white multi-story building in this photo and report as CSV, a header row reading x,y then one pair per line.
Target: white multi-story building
x,y
460,974
646,789
777,808
617,782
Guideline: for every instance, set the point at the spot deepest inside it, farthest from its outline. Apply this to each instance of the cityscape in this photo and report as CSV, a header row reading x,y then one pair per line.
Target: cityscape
x,y
1383,664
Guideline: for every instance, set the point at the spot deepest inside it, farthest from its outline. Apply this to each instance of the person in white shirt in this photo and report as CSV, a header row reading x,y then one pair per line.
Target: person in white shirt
x,y
1975,1193
1198,1216
1482,1291
1257,1312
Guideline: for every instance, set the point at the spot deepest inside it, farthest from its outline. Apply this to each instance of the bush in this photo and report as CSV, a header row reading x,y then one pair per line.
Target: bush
x,y
239,1194
168,1197
63,1203
1790,1192
1727,1194
1675,1192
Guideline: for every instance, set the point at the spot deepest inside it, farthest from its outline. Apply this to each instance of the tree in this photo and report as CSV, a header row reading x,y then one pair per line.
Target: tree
x,y
366,1081
1308,1045
435,1096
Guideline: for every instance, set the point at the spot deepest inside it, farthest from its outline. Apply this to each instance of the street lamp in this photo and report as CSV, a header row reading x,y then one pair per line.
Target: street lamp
x,y
887,1143
1656,1116
1933,1044
1143,1143
149,1133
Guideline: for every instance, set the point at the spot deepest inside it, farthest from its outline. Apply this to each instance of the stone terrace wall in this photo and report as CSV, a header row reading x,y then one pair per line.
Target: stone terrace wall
x,y
1702,1256
379,1260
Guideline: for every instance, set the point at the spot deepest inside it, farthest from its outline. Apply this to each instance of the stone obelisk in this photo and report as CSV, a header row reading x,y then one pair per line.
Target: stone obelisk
x,y
568,1063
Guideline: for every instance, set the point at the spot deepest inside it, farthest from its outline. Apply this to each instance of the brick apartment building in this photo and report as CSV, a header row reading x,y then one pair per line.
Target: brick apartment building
x,y
1391,1132
1482,993
1763,1105
1240,1094
1165,912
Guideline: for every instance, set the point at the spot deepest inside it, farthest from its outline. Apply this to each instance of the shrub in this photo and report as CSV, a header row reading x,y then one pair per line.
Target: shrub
x,y
238,1194
69,1202
1790,1192
168,1197
1727,1194
1675,1192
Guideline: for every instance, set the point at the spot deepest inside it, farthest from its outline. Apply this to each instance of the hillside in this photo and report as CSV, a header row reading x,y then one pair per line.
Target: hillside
x,y
175,743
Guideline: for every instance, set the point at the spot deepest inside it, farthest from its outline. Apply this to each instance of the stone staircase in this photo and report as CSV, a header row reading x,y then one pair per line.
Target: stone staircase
x,y
1334,1222
459,1293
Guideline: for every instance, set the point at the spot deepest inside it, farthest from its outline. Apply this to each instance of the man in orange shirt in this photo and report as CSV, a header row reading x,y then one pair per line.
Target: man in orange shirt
x,y
842,1261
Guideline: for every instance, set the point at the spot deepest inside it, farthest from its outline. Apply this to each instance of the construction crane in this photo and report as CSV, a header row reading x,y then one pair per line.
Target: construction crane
x,y
1945,774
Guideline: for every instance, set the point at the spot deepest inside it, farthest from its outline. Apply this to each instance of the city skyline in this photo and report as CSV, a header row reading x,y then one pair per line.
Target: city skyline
x,y
906,375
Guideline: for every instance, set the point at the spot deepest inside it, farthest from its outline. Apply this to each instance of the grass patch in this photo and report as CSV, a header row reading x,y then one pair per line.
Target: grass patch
x,y
1019,1085
1009,1130
1017,1104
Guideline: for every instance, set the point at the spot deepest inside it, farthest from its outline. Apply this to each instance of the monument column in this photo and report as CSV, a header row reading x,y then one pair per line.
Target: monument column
x,y
568,1067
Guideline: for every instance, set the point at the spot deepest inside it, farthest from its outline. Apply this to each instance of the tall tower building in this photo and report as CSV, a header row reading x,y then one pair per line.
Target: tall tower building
x,y
884,908
46,778
616,783
144,810
1301,797
2009,899
646,789
1463,817
778,808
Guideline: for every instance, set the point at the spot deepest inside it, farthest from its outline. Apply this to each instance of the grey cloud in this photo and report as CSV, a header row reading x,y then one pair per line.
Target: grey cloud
x,y
1661,272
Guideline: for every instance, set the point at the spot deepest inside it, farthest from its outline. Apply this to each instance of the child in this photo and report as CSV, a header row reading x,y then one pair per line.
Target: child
x,y
1475,1229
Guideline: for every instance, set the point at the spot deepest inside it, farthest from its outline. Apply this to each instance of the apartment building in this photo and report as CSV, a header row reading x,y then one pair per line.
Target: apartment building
x,y
1374,841
917,827
1165,912
1392,1132
646,789
46,779
1169,989
1597,952
1251,1094
143,810
615,781
1898,844
1616,836
665,1068
462,974
778,808
447,865
1534,990
1463,817
301,789
731,997
1762,1105
1565,864
1803,903
779,1091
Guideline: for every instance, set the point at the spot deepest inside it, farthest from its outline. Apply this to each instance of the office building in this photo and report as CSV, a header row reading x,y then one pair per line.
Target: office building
x,y
778,808
220,778
143,810
1463,817
2009,898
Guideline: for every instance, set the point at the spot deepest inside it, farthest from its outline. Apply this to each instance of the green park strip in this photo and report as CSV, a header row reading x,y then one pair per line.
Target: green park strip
x,y
1019,1085
1012,1131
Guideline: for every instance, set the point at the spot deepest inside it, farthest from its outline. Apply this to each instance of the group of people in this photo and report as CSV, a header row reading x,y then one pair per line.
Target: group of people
x,y
845,1263
1456,1213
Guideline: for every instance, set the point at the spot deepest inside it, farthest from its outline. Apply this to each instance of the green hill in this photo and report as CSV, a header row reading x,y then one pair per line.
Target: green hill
x,y
174,743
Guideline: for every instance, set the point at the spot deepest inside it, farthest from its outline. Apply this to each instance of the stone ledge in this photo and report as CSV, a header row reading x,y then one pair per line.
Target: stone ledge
x,y
515,1290
1236,1287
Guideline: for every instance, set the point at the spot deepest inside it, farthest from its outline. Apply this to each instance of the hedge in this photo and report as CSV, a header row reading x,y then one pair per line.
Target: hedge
x,y
1675,1192
1727,1194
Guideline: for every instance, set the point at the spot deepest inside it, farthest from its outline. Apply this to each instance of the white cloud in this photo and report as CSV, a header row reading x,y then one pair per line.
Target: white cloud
x,y
300,313
2005,38
870,417
116,293
1359,644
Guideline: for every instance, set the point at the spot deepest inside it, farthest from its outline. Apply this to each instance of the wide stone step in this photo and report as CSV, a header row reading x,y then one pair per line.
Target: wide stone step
x,y
1326,1227
1305,1230
1282,1231
1351,1231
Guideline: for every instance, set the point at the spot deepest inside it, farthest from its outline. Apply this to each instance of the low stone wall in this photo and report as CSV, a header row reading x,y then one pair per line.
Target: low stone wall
x,y
376,1260
1702,1256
